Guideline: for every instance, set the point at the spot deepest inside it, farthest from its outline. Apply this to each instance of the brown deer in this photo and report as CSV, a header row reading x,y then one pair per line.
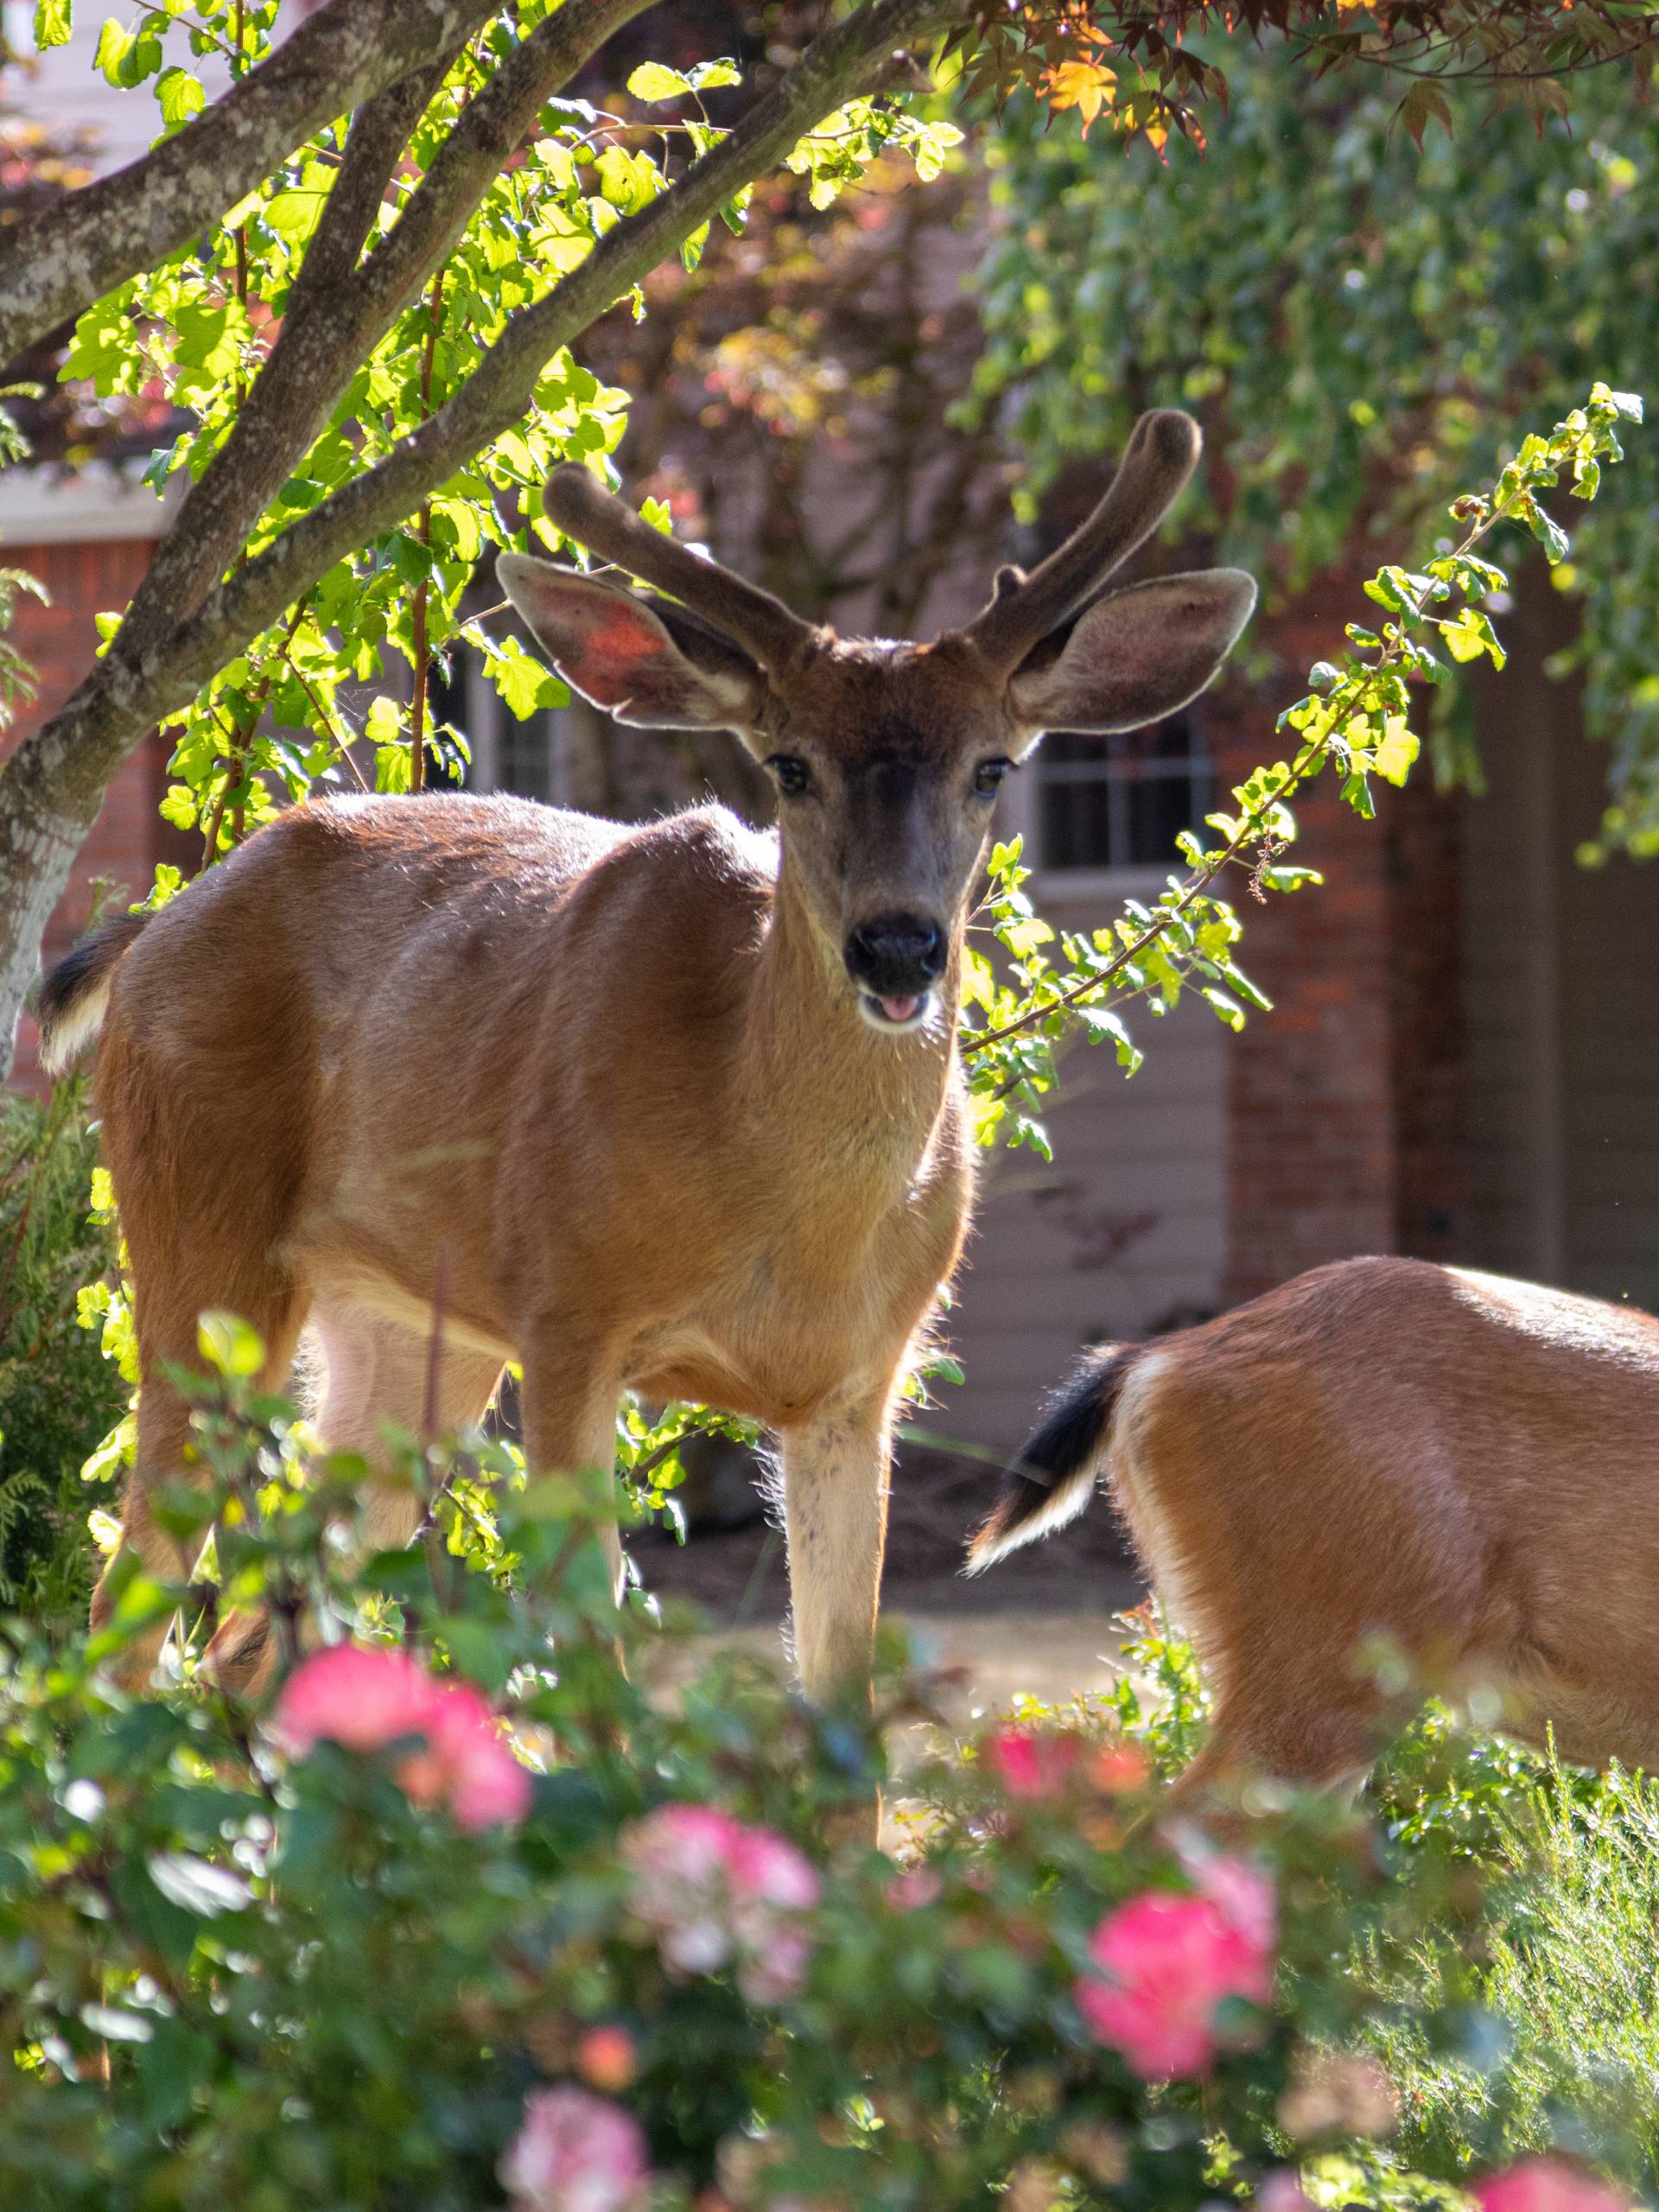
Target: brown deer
x,y
673,1108
1381,1461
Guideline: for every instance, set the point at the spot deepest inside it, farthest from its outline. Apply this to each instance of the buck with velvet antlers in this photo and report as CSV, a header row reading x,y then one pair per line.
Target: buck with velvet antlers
x,y
673,1108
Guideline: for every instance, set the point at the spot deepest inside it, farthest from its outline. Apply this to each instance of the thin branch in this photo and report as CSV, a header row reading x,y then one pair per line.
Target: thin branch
x,y
69,253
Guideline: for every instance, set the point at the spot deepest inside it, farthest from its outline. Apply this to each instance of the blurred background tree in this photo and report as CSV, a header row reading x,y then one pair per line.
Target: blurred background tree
x,y
1362,322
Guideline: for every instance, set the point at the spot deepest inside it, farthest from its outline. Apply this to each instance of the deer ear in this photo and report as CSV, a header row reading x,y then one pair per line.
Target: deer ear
x,y
1135,655
656,666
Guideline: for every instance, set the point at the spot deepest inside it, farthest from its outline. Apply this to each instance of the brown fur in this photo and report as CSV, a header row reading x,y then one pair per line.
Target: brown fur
x,y
1384,1455
608,1097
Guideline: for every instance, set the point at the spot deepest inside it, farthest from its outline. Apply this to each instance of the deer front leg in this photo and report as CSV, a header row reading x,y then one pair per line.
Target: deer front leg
x,y
835,1519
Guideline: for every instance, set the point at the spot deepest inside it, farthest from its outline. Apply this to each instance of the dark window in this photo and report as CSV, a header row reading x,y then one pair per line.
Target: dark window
x,y
523,752
507,755
1118,801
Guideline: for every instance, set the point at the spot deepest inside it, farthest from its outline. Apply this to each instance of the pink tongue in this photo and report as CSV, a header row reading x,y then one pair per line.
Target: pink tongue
x,y
900,1010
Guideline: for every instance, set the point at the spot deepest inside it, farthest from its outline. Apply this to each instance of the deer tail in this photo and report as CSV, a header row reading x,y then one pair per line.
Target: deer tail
x,y
76,992
1053,1478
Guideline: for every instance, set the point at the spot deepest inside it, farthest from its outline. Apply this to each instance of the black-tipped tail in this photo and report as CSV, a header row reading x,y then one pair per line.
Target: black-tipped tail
x,y
1053,1478
70,1007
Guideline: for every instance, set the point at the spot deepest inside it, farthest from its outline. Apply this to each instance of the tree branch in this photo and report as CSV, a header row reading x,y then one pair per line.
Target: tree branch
x,y
338,312
51,789
61,260
82,743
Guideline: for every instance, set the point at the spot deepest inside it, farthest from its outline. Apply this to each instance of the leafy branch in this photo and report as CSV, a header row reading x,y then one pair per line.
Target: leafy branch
x,y
1355,718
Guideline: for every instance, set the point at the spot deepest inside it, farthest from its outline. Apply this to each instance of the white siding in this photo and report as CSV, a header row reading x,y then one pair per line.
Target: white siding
x,y
1125,1231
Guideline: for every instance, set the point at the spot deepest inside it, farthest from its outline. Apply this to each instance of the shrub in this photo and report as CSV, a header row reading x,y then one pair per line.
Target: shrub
x,y
461,1915
58,1394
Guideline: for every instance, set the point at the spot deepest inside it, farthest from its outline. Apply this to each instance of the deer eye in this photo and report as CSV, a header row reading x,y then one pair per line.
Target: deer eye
x,y
794,775
989,775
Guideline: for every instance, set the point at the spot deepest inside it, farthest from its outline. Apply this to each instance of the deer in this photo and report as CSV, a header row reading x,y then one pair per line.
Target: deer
x,y
673,1108
1384,1476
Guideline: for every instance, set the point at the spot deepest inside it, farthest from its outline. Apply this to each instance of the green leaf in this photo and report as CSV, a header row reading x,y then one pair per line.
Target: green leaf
x,y
709,74
53,21
653,81
294,214
181,96
229,1343
521,681
1470,634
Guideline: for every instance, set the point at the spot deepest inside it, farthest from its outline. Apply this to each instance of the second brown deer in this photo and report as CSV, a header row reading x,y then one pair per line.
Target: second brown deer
x,y
674,1109
1382,1476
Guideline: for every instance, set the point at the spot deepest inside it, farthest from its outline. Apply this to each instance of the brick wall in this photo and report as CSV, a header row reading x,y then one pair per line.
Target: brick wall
x,y
1344,1108
60,641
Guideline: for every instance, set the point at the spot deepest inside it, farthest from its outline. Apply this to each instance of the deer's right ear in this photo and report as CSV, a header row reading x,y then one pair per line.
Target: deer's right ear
x,y
660,670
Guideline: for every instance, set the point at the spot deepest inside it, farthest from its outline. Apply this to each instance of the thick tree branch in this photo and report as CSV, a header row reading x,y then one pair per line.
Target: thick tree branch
x,y
339,311
59,260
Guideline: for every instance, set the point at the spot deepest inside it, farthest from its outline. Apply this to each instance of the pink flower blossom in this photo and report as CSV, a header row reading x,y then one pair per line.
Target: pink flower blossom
x,y
575,2153
466,1764
367,1699
1281,2191
1166,1965
363,1699
1244,1895
1032,1761
1546,2184
715,1890
916,1887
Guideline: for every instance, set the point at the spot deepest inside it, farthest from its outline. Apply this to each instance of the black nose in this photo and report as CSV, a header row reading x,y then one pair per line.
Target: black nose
x,y
895,955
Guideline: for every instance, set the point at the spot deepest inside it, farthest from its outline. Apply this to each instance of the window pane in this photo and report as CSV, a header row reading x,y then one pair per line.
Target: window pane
x,y
1118,801
524,754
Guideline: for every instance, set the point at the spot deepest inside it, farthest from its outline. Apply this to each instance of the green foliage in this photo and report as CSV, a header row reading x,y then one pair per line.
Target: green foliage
x,y
1364,327
1355,719
231,1973
58,1395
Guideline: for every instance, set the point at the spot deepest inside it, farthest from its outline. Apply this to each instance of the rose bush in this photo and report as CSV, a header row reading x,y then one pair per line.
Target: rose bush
x,y
462,1918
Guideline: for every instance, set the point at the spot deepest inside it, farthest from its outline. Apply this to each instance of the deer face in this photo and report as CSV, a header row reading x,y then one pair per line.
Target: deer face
x,y
888,757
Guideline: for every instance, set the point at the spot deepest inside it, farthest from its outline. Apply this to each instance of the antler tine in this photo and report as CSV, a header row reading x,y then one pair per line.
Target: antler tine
x,y
1162,453
584,510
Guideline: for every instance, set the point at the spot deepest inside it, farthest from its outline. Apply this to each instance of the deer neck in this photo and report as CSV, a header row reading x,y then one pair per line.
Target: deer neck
x,y
819,1080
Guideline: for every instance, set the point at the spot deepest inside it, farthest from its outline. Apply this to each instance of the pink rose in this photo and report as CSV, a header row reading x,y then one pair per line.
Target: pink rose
x,y
465,1765
1243,1894
916,1887
1166,1965
1281,2191
575,2153
365,1699
1546,2184
1031,1761
715,1890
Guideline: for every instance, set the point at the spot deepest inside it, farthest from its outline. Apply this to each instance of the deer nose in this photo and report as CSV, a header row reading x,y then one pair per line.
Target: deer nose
x,y
895,955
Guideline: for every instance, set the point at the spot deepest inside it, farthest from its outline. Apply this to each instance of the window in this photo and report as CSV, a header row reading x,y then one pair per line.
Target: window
x,y
527,758
1117,803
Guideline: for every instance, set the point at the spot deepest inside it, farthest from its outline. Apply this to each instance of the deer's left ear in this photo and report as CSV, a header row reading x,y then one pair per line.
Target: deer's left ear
x,y
1136,655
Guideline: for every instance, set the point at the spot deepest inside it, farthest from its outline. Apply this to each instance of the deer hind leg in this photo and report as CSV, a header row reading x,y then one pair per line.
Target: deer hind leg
x,y
276,1306
377,1375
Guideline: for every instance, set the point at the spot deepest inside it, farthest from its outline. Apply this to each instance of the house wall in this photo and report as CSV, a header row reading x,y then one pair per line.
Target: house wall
x,y
1124,1235
60,641
1562,994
